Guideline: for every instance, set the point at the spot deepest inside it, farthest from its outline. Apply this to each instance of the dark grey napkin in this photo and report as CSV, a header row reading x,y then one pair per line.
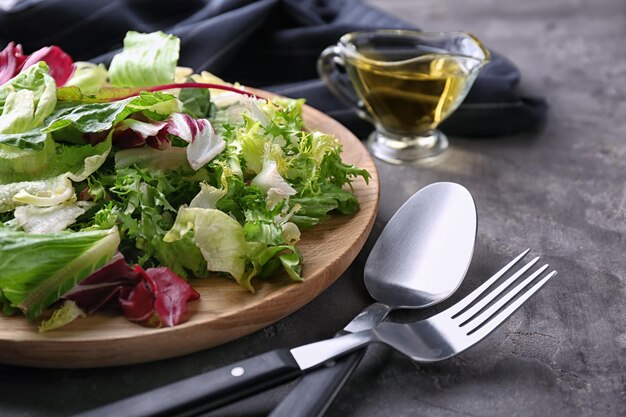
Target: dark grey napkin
x,y
272,44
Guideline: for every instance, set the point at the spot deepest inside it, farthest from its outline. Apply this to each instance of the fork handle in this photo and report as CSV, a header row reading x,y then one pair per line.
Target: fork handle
x,y
317,390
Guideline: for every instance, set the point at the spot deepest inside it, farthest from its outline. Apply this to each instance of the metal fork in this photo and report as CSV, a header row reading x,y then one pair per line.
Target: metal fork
x,y
436,338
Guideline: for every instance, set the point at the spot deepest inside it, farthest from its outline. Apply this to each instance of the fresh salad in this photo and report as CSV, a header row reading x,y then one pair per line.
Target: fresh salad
x,y
119,186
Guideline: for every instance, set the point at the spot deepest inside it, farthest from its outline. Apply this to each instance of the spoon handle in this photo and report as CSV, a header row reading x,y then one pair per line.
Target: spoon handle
x,y
208,390
316,391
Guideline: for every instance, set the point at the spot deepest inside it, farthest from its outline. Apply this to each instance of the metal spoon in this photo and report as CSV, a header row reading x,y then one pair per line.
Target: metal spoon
x,y
420,258
409,267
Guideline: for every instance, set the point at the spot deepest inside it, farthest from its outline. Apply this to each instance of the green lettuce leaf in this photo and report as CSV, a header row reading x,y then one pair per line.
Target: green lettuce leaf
x,y
286,120
226,254
62,316
32,282
242,199
79,162
183,257
252,142
207,197
53,219
98,117
153,159
76,163
48,192
268,260
88,77
147,59
27,99
25,164
33,139
266,232
105,94
196,102
232,253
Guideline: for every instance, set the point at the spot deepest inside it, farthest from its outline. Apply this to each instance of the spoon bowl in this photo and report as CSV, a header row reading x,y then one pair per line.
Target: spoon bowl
x,y
424,252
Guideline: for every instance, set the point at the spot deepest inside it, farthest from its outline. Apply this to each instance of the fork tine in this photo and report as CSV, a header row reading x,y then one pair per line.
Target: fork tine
x,y
467,300
493,322
476,321
471,312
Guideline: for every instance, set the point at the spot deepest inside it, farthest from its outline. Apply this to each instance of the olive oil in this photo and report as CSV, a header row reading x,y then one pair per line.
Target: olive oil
x,y
406,83
412,95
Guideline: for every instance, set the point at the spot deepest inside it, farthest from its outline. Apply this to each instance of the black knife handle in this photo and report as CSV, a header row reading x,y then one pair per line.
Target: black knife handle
x,y
316,390
209,390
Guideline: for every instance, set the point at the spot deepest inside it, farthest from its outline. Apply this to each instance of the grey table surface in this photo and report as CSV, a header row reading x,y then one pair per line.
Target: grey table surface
x,y
560,191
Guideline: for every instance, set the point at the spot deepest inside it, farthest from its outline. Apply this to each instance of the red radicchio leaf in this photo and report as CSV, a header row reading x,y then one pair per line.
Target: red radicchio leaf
x,y
13,61
84,195
95,138
160,141
183,126
127,138
132,133
205,146
204,143
116,93
138,303
8,62
156,296
160,298
20,57
60,63
104,285
172,294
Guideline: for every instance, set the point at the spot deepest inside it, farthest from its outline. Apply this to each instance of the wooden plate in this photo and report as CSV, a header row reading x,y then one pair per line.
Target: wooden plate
x,y
225,311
